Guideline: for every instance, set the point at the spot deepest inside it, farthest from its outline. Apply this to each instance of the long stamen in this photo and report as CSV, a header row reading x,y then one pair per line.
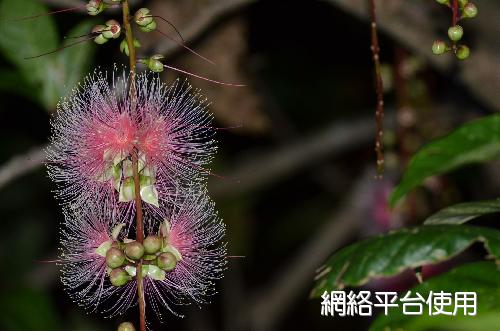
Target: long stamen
x,y
204,78
59,49
170,23
48,13
186,47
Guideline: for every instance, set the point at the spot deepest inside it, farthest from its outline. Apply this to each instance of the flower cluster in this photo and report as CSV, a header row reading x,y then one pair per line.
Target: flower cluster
x,y
97,133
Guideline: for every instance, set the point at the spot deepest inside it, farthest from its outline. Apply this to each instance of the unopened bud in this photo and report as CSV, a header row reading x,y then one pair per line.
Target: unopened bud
x,y
152,244
469,11
462,3
134,250
167,261
113,29
126,326
438,47
114,257
443,2
119,277
455,32
143,17
463,52
124,46
148,27
95,7
100,39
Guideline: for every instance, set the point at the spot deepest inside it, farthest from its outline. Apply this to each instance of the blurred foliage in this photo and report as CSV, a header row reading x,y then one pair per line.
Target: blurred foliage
x,y
48,77
464,212
477,141
480,277
392,253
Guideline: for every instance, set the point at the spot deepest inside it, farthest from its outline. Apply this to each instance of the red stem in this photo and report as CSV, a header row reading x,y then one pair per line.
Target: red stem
x,y
454,9
379,110
135,165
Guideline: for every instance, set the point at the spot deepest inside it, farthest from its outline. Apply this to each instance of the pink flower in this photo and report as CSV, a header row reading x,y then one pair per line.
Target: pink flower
x,y
194,231
85,240
98,127
190,233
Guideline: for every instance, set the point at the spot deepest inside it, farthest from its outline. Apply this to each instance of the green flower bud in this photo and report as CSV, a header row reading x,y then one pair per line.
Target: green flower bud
x,y
443,2
119,277
113,29
155,65
149,27
469,11
114,257
126,326
438,47
143,17
124,46
463,52
455,32
95,7
127,190
134,250
462,3
167,261
100,39
152,244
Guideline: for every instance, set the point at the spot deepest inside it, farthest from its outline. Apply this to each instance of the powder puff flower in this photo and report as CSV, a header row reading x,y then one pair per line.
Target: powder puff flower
x,y
191,233
86,238
99,126
180,258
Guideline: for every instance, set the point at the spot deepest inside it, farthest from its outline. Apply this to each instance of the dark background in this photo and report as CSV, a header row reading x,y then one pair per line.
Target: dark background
x,y
299,168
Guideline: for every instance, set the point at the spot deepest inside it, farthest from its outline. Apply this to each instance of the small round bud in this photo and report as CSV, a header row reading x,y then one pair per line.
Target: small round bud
x,y
155,65
463,52
134,250
95,7
462,3
438,47
119,277
126,326
100,39
148,27
455,32
167,261
114,257
443,2
113,29
152,244
470,10
143,17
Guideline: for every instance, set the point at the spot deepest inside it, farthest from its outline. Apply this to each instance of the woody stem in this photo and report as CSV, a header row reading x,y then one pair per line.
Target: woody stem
x,y
135,163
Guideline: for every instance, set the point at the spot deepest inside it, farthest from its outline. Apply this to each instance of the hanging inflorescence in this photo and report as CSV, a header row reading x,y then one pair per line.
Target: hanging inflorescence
x,y
128,153
460,9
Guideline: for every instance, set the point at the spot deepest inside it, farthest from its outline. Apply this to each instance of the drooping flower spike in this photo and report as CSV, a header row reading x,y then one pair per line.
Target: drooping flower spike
x,y
180,258
98,127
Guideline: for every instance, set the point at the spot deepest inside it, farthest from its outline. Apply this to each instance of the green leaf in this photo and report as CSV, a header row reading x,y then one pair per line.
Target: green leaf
x,y
70,65
464,212
476,141
20,39
50,76
480,277
390,254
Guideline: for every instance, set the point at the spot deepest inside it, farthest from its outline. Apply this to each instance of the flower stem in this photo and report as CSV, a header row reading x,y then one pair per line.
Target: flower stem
x,y
135,164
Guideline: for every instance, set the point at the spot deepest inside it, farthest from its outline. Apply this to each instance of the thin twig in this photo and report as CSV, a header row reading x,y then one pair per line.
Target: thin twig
x,y
379,110
135,164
